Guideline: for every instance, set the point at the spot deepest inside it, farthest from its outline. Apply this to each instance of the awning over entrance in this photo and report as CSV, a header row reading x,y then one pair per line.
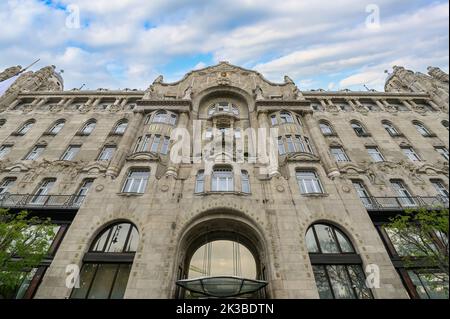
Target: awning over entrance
x,y
222,286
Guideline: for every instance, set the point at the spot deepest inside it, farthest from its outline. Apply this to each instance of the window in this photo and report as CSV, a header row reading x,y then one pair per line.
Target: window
x,y
26,127
108,280
443,151
359,129
273,119
445,124
299,147
6,185
41,195
390,128
88,128
290,144
422,129
429,284
136,181
222,180
339,278
165,145
142,144
326,128
440,188
200,182
57,127
165,117
363,194
309,145
155,144
286,117
309,182
375,154
70,153
245,182
411,154
121,127
107,153
339,154
35,153
4,150
83,191
281,148
404,196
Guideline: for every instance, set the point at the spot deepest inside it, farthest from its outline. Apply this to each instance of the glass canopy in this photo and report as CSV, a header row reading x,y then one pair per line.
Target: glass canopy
x,y
222,286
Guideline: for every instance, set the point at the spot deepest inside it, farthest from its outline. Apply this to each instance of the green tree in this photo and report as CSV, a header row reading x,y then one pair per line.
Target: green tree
x,y
24,243
422,235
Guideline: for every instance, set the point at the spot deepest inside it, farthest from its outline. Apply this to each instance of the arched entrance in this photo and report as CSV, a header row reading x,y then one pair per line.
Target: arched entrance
x,y
222,256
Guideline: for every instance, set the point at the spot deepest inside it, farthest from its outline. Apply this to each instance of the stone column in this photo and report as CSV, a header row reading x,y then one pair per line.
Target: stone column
x,y
14,104
321,146
125,145
172,168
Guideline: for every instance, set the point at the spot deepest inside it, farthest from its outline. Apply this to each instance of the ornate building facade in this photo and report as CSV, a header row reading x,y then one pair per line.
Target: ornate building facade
x,y
138,223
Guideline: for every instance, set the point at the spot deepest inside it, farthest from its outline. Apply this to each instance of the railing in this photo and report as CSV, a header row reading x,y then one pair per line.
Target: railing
x,y
41,201
401,203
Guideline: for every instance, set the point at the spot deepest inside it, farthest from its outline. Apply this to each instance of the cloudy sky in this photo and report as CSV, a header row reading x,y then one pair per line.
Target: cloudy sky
x,y
330,44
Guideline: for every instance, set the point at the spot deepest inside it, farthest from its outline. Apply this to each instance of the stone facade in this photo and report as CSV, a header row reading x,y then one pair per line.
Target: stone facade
x,y
274,217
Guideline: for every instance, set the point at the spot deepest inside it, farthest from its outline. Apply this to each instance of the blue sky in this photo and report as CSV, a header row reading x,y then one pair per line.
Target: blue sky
x,y
320,44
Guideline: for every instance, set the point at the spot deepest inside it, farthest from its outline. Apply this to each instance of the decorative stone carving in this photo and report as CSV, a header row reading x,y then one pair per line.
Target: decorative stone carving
x,y
288,80
158,80
9,72
188,93
258,93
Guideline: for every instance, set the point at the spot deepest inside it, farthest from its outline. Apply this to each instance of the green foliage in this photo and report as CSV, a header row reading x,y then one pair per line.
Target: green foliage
x,y
422,234
24,242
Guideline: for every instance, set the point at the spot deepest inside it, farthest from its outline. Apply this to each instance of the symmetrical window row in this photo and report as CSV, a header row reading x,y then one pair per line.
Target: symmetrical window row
x,y
284,117
359,129
223,107
164,117
71,152
44,188
222,180
339,154
153,143
86,129
401,191
294,144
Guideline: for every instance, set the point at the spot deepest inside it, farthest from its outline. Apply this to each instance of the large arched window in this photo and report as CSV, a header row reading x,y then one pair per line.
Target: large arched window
x,y
107,265
422,129
359,129
336,265
165,117
326,128
286,117
56,127
390,128
120,127
25,127
89,127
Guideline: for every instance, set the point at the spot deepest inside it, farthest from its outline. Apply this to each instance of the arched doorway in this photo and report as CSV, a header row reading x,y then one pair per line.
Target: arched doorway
x,y
221,258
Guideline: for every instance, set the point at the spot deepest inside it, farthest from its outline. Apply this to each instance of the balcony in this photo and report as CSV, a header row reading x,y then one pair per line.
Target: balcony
x,y
402,203
27,201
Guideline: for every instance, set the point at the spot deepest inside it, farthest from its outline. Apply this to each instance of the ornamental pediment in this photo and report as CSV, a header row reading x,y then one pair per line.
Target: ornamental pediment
x,y
144,156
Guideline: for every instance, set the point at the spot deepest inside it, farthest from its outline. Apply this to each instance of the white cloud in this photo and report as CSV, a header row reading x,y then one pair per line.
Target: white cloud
x,y
314,42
